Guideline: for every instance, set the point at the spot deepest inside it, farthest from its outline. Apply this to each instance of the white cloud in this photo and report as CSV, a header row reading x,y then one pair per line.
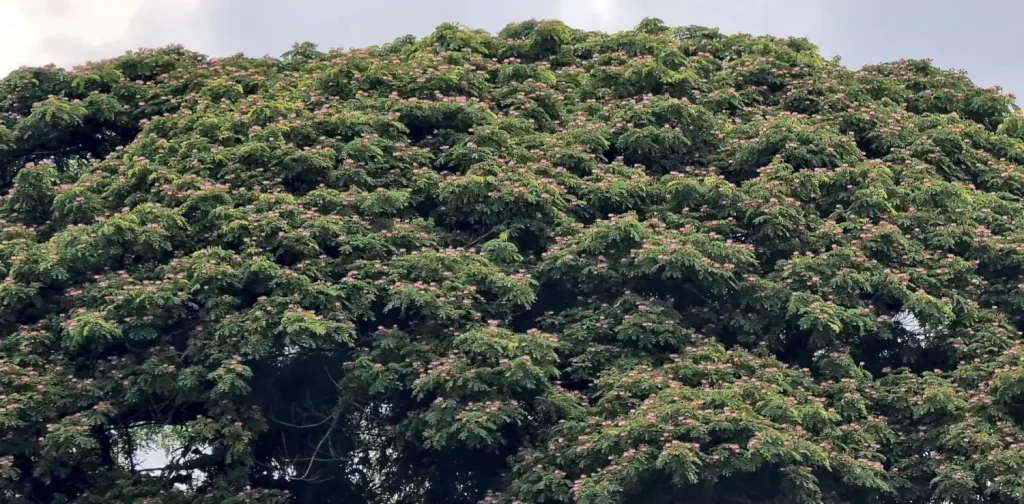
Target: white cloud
x,y
92,21
591,14
16,36
66,32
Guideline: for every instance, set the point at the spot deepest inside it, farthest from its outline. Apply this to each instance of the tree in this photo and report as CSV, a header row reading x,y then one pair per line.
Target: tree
x,y
543,266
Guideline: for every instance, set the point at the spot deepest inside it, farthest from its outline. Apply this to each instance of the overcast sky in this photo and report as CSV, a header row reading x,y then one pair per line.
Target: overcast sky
x,y
979,36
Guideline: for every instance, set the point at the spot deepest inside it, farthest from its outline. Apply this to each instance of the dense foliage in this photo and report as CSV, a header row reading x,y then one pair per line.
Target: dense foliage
x,y
545,266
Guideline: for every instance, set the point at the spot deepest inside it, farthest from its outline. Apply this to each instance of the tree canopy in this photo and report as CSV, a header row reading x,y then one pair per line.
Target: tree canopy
x,y
543,266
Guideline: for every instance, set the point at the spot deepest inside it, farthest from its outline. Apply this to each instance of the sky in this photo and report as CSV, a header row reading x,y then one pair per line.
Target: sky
x,y
978,36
